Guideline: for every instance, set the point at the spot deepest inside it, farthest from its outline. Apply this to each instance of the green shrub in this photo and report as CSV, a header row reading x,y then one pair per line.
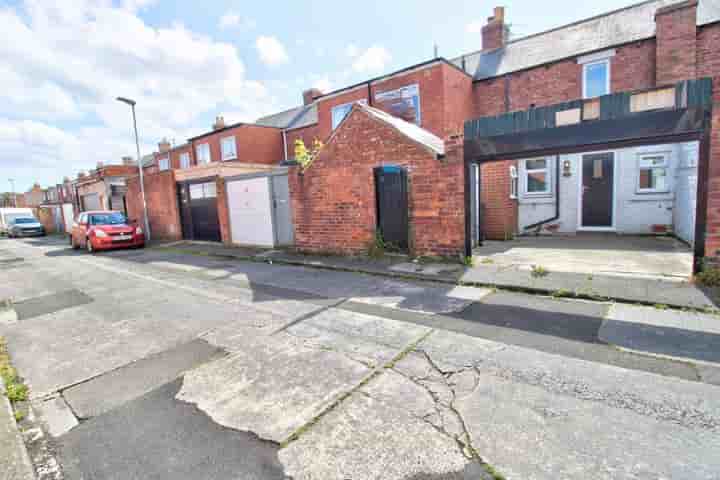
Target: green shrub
x,y
710,276
538,271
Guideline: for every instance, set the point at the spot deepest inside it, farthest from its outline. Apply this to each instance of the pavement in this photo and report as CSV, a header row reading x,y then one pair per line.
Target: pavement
x,y
158,364
594,283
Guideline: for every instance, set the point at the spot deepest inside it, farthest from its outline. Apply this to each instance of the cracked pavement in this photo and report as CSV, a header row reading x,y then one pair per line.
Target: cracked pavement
x,y
194,367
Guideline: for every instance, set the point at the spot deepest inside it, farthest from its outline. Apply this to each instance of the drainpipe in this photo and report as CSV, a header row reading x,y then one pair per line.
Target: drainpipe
x,y
557,199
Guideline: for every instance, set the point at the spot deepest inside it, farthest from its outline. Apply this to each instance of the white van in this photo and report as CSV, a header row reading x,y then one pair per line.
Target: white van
x,y
7,215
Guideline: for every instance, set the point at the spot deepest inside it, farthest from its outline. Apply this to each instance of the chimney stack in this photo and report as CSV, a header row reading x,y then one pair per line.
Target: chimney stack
x,y
219,123
676,42
164,145
495,33
310,95
128,161
99,165
81,175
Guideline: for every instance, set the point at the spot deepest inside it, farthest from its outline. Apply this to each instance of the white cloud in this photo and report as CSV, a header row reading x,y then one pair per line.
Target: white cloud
x,y
233,20
352,50
323,84
61,73
272,51
372,60
474,26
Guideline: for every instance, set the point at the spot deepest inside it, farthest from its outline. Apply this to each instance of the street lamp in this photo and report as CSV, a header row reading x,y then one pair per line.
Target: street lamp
x,y
140,165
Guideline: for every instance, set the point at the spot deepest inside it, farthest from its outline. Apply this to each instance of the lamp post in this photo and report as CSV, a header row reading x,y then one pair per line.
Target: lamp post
x,y
12,190
140,166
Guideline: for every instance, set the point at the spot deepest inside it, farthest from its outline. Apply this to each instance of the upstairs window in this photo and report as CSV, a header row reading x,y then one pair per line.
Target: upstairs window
x,y
596,78
164,164
202,152
339,112
228,148
537,176
653,173
185,160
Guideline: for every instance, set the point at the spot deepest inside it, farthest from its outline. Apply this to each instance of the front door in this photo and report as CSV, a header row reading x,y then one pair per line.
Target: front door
x,y
597,190
198,211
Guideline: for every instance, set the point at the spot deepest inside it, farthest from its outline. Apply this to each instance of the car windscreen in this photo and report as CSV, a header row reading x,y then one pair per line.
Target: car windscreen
x,y
107,219
20,220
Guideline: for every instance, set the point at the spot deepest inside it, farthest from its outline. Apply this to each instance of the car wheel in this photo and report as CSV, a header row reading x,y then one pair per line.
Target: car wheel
x,y
89,246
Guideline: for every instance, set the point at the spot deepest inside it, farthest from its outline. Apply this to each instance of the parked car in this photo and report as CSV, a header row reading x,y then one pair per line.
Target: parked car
x,y
25,227
105,230
7,215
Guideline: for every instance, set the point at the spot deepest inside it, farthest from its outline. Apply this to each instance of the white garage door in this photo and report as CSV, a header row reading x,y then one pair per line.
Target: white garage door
x,y
250,212
69,216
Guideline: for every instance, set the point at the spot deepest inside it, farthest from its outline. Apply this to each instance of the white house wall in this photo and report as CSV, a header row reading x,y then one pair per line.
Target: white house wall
x,y
635,213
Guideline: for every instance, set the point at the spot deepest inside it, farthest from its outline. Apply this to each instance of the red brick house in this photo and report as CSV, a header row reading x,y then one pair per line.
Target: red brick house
x,y
657,60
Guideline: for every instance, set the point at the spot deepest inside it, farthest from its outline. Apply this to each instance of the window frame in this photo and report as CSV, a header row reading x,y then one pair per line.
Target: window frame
x,y
184,156
160,163
198,148
586,66
514,181
223,155
666,166
548,177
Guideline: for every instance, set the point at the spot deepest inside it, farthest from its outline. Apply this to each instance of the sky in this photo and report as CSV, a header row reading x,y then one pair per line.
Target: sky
x,y
63,63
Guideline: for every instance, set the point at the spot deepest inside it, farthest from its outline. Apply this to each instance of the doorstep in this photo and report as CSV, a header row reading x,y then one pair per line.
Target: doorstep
x,y
628,289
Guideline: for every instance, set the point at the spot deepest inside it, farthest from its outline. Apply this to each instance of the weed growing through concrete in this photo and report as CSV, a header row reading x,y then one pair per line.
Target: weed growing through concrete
x,y
487,261
15,390
539,271
468,261
562,293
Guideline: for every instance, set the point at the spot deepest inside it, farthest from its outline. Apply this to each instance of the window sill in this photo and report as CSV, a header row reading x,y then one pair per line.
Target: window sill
x,y
229,159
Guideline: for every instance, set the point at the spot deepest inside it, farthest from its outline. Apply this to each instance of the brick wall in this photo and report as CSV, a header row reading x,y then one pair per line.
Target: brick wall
x,y
306,134
334,200
499,212
676,42
46,216
254,144
162,205
223,212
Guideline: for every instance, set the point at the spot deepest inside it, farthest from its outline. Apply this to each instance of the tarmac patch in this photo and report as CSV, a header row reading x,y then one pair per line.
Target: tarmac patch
x,y
52,303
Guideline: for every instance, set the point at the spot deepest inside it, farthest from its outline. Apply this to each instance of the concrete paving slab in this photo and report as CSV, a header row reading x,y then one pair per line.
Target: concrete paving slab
x,y
14,461
673,333
51,303
366,438
56,415
112,389
157,437
272,387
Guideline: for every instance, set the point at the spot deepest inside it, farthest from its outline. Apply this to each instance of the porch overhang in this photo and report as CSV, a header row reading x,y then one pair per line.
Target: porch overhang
x,y
653,127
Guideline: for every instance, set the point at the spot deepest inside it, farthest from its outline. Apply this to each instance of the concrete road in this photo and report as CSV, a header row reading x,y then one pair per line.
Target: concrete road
x,y
151,364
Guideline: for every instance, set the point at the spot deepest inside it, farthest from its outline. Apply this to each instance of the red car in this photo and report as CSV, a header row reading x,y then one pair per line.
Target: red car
x,y
105,230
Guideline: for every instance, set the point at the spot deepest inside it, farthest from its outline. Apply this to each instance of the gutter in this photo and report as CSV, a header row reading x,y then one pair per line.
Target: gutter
x,y
557,200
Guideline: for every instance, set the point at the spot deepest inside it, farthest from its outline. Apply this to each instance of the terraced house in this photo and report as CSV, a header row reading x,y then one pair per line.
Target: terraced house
x,y
609,125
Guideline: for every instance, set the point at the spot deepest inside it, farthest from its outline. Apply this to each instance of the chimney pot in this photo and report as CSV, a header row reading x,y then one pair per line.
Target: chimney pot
x,y
219,123
310,95
164,145
495,33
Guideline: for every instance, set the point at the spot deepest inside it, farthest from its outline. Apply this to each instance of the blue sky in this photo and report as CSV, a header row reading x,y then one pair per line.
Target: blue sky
x,y
187,61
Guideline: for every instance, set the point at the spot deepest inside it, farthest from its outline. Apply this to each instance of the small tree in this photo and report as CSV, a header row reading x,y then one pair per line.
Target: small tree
x,y
304,156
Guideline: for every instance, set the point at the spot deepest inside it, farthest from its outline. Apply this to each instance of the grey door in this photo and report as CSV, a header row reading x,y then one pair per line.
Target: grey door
x,y
597,190
282,212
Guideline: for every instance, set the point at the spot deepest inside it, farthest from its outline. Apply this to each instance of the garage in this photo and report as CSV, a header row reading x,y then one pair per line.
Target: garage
x,y
198,210
259,210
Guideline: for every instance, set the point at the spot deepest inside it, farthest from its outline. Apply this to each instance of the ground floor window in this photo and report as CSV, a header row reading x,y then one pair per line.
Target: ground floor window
x,y
652,173
537,176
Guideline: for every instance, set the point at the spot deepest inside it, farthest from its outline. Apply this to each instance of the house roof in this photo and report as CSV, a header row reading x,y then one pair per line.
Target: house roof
x,y
419,135
148,160
630,24
298,117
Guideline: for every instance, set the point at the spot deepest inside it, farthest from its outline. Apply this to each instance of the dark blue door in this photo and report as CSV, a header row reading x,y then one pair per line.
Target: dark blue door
x,y
392,206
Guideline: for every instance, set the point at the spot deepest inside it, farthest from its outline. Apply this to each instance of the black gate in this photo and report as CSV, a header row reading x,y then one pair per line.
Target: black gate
x,y
198,211
391,197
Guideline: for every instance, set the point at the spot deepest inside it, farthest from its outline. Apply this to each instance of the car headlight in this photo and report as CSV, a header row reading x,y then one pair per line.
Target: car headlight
x,y
100,234
138,231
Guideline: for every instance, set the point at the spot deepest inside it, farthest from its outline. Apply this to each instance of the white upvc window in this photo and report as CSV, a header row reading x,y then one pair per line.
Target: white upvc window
x,y
653,173
596,78
185,160
513,182
164,163
228,147
202,152
537,176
